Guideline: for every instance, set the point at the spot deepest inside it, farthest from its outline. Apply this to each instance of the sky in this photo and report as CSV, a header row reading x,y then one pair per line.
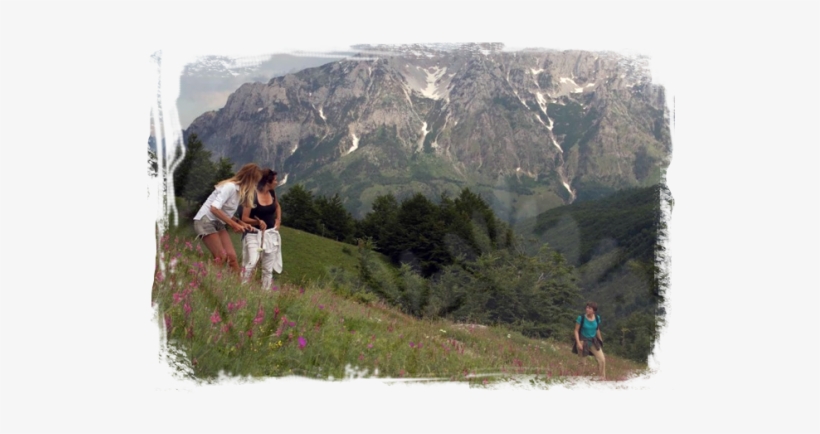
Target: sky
x,y
80,347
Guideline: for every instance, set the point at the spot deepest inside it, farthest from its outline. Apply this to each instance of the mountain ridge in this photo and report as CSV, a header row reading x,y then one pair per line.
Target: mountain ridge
x,y
570,124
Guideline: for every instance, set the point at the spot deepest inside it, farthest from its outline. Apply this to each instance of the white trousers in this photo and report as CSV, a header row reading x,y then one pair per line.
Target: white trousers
x,y
269,249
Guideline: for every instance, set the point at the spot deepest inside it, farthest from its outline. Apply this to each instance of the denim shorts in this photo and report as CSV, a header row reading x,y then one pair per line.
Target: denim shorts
x,y
206,226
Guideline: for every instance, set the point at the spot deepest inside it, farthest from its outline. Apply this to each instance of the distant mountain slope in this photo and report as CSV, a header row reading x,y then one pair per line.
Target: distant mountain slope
x,y
531,130
613,242
627,220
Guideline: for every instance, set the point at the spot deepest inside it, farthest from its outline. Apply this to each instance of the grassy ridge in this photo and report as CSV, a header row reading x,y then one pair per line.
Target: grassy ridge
x,y
305,257
220,325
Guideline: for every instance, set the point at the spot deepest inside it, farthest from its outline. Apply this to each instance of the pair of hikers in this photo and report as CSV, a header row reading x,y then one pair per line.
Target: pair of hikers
x,y
252,188
588,340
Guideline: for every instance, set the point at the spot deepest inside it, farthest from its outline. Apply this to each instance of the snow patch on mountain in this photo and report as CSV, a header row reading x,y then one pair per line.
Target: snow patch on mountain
x,y
432,91
424,132
355,144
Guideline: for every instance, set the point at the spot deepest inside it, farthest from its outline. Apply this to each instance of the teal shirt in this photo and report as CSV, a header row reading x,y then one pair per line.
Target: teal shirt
x,y
589,328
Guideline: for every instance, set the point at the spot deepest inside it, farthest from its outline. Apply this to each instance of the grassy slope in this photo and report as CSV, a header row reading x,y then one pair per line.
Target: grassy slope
x,y
197,302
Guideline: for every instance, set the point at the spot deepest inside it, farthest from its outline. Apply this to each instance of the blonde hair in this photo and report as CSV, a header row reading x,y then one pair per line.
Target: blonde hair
x,y
247,178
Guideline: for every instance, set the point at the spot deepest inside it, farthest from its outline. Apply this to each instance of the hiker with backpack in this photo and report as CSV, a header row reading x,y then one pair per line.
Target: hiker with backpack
x,y
588,339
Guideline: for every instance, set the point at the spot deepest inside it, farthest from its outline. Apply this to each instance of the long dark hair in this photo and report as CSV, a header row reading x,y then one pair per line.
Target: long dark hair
x,y
268,175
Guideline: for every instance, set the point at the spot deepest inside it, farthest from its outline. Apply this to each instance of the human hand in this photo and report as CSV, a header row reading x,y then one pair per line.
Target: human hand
x,y
262,225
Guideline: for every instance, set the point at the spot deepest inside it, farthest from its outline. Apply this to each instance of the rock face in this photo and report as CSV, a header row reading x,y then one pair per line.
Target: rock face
x,y
530,129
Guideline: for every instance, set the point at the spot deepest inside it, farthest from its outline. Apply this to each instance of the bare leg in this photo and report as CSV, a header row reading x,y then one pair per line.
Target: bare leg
x,y
230,252
599,357
214,244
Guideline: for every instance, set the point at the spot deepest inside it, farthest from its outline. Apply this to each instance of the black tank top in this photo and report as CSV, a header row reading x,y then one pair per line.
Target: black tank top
x,y
266,213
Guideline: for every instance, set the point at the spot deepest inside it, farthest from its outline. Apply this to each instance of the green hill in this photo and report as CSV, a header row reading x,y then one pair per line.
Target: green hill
x,y
216,324
305,257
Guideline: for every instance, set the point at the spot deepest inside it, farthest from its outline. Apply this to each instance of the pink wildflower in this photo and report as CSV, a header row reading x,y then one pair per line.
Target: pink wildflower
x,y
361,357
250,333
188,245
320,306
215,318
160,277
167,322
274,288
187,308
301,290
218,275
291,324
302,342
177,297
276,311
412,345
260,316
230,306
369,345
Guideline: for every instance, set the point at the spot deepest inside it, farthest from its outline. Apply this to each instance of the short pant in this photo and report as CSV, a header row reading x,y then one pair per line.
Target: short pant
x,y
206,226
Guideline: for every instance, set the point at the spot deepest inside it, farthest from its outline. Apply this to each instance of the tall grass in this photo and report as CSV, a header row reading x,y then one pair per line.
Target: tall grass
x,y
221,325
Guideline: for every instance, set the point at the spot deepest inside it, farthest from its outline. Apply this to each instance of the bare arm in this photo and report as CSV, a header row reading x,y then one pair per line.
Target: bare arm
x,y
577,335
237,226
278,216
246,217
599,335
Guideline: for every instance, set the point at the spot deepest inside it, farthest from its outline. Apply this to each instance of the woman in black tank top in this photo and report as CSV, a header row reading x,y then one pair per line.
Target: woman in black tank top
x,y
266,215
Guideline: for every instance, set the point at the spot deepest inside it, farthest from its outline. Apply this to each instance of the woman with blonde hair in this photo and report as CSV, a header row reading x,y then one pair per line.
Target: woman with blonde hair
x,y
218,210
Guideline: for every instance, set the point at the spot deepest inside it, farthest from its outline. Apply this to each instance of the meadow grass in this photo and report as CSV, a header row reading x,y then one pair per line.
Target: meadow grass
x,y
223,326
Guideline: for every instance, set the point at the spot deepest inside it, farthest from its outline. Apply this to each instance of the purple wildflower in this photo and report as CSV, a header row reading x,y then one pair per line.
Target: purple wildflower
x,y
302,342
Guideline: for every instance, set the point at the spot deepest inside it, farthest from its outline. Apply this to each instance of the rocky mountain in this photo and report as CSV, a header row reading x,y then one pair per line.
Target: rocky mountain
x,y
207,83
530,129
